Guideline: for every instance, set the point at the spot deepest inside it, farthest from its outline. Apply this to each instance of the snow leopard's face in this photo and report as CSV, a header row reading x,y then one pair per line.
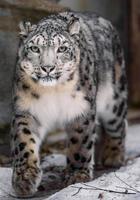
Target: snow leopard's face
x,y
50,54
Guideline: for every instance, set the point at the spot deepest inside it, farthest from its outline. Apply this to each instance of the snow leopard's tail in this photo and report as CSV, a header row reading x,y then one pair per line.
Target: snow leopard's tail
x,y
120,66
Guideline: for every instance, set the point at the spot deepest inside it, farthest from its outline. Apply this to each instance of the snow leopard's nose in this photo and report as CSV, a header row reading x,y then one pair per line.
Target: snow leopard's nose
x,y
48,68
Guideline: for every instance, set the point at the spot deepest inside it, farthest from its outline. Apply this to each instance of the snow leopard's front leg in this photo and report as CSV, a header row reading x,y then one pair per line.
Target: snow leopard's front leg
x,y
80,155
25,149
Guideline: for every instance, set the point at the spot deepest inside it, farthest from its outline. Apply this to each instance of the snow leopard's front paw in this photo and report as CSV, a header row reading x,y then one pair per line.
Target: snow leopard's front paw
x,y
114,153
114,161
25,180
77,176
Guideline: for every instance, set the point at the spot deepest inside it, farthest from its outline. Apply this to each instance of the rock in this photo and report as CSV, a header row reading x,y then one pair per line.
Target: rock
x,y
119,183
122,184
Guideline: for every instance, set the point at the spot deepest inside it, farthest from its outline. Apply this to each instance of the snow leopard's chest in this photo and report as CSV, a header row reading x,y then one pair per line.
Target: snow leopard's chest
x,y
58,108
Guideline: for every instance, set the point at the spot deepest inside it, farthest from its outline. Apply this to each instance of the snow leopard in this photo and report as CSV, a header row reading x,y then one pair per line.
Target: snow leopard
x,y
70,73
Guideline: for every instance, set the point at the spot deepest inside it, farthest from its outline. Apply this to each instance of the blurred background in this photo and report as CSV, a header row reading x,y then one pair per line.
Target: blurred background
x,y
124,14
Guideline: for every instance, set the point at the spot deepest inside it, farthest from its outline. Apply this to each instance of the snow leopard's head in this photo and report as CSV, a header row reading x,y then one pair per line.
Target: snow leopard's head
x,y
49,52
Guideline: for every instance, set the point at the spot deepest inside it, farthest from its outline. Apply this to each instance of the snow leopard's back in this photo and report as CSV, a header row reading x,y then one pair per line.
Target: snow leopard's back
x,y
100,44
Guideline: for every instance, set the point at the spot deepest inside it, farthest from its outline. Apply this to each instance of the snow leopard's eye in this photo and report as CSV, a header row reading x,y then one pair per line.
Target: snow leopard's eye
x,y
35,49
62,49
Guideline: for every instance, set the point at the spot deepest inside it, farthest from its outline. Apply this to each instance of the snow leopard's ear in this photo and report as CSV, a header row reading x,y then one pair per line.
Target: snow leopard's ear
x,y
74,26
25,29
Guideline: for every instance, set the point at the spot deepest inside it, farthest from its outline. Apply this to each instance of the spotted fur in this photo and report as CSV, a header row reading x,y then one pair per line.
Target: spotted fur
x,y
70,73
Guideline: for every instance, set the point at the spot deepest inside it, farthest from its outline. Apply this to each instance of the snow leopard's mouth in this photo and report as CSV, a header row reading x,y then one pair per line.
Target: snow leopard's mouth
x,y
46,78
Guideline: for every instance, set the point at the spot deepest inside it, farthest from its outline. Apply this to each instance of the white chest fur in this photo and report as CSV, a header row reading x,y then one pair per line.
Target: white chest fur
x,y
57,108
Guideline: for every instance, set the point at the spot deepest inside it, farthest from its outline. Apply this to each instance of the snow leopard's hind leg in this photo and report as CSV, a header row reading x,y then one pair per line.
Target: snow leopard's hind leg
x,y
111,112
